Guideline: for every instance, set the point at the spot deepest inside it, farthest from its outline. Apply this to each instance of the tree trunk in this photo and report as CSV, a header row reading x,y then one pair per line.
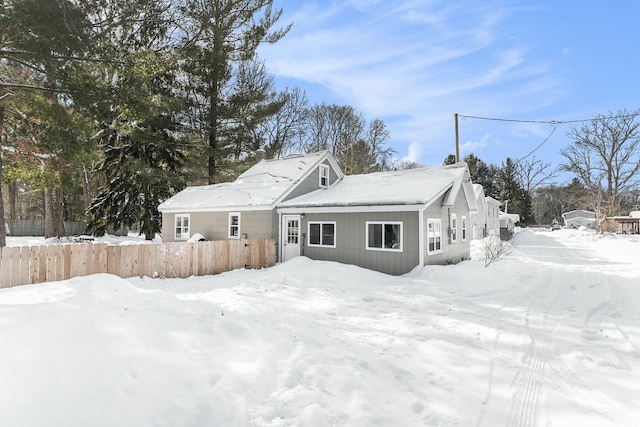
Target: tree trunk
x,y
86,187
13,200
3,231
53,221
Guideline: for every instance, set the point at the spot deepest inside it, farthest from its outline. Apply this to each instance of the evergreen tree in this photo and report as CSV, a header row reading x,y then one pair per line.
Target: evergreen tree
x,y
45,37
143,157
221,38
483,174
513,196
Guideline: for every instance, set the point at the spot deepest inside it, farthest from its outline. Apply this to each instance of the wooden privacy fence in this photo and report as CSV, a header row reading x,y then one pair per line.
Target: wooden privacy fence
x,y
37,264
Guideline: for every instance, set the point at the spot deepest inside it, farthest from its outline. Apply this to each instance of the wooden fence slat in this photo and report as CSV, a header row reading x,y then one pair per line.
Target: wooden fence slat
x,y
15,266
59,259
101,257
5,267
43,255
34,264
25,261
66,263
51,263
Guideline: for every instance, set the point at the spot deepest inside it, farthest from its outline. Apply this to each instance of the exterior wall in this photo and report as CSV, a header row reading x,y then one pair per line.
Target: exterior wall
x,y
312,182
579,221
452,253
493,219
214,225
351,241
479,220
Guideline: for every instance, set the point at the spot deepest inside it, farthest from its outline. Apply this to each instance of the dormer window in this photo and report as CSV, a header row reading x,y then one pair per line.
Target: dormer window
x,y
324,176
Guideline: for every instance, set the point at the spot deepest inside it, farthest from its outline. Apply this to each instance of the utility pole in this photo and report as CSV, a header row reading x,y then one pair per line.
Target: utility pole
x,y
455,116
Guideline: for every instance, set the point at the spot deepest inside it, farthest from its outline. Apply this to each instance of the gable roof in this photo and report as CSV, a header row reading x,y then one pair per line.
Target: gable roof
x,y
403,187
261,187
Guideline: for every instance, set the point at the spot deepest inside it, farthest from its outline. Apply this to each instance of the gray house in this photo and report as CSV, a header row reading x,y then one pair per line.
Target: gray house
x,y
579,218
391,222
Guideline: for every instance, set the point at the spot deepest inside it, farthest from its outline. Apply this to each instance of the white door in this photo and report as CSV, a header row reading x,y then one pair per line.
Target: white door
x,y
290,236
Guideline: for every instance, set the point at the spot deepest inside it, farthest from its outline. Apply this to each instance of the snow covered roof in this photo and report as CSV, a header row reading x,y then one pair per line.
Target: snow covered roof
x,y
579,213
403,187
261,186
479,191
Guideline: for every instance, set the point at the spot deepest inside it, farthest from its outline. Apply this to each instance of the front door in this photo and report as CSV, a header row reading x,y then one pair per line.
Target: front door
x,y
290,236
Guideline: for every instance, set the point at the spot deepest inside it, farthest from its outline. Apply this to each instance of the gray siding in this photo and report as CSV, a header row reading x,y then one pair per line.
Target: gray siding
x,y
452,253
312,182
351,245
213,225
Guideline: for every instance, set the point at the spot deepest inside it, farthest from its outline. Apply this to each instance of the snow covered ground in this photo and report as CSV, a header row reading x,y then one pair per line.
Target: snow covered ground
x,y
548,336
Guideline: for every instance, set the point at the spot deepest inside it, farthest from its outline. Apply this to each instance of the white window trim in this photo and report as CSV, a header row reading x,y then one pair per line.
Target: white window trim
x,y
321,223
464,228
183,235
454,228
323,173
231,215
439,234
366,242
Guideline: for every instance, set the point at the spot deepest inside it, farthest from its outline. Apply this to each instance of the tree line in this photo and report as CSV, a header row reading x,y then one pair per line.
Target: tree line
x,y
108,107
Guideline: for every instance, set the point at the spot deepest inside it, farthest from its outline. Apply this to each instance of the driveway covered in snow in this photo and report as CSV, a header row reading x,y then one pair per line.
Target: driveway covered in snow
x,y
548,336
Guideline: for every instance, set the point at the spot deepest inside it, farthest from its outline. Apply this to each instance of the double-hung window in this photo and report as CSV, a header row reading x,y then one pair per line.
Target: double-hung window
x,y
454,228
322,234
324,176
384,236
434,236
182,226
234,225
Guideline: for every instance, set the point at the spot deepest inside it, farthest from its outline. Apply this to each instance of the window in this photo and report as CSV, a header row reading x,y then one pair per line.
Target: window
x,y
182,226
434,236
464,228
322,234
384,236
234,225
292,231
324,176
454,228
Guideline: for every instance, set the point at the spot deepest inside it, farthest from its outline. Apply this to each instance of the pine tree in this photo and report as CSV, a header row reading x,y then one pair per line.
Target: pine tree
x,y
45,37
143,157
221,38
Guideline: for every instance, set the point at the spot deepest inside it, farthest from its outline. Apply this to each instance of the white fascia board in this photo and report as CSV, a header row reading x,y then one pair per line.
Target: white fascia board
x,y
352,209
440,194
218,209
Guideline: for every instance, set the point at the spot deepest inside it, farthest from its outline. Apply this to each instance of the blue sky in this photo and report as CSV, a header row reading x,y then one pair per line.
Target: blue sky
x,y
414,63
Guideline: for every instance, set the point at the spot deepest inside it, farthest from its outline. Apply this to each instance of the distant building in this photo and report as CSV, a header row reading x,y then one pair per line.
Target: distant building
x,y
621,224
507,224
579,218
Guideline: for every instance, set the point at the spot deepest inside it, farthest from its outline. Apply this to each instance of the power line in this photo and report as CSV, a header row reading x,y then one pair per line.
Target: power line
x,y
553,123
549,122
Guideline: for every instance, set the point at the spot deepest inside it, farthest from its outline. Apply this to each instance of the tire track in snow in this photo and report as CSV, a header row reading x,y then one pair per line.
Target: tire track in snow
x,y
541,319
503,316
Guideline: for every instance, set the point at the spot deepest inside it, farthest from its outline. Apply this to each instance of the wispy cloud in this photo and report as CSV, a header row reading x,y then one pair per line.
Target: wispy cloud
x,y
413,64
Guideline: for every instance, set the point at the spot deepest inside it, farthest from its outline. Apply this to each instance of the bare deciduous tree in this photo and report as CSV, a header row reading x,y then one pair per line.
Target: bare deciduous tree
x,y
534,173
605,156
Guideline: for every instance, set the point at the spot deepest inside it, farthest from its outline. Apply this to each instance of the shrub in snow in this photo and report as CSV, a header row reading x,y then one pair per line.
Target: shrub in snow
x,y
494,249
